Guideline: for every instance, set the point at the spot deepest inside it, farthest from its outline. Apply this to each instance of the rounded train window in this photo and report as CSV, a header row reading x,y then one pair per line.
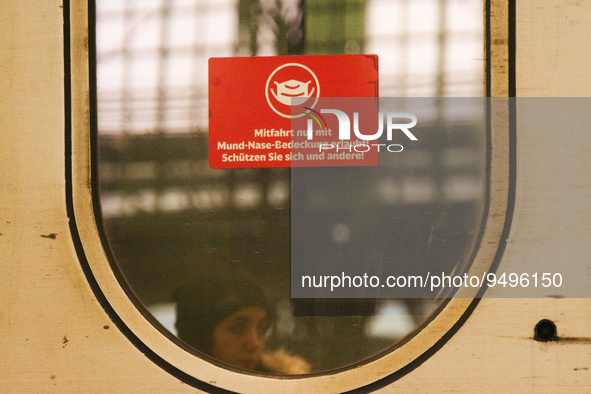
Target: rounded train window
x,y
240,216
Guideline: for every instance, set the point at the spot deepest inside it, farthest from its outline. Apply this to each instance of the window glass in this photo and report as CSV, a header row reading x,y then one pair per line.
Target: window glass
x,y
177,226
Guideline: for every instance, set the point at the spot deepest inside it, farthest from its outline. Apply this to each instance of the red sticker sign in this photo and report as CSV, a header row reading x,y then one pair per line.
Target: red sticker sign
x,y
253,102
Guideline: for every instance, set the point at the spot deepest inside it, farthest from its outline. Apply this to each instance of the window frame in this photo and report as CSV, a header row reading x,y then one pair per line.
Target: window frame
x,y
204,373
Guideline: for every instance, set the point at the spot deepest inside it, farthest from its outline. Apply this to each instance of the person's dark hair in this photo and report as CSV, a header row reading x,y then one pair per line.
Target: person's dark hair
x,y
211,297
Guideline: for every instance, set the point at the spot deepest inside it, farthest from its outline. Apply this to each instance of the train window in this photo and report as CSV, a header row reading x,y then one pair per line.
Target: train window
x,y
208,251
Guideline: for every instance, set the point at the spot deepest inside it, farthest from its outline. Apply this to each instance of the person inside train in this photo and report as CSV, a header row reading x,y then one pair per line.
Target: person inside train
x,y
226,315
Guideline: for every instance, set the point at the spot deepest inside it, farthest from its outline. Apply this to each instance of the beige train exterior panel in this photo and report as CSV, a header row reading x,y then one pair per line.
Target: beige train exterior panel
x,y
56,337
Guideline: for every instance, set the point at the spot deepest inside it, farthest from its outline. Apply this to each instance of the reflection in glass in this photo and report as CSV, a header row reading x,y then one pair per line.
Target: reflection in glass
x,y
169,217
225,314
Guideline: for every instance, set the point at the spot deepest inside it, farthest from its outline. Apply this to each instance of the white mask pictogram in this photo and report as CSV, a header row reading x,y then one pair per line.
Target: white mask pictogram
x,y
292,92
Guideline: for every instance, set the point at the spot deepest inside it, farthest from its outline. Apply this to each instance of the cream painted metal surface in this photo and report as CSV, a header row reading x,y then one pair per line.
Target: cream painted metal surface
x,y
57,338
